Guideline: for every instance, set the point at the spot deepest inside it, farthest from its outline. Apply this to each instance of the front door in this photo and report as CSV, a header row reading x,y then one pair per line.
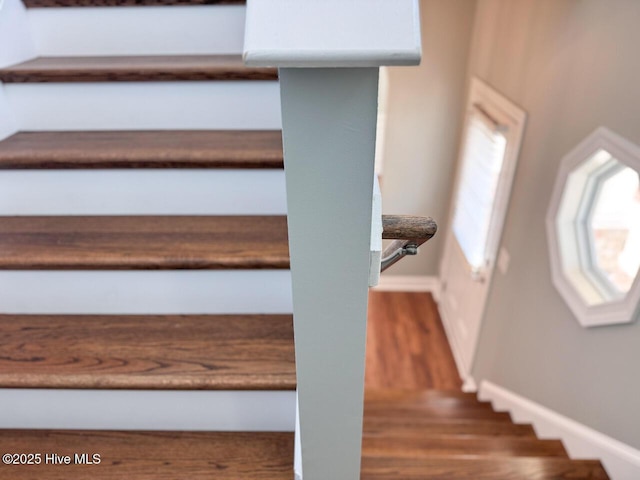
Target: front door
x,y
491,142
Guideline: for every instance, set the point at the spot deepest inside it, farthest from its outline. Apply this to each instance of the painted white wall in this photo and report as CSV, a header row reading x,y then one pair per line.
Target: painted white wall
x,y
424,110
573,66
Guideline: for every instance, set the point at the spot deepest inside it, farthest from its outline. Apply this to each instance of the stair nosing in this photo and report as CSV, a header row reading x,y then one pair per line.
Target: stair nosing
x,y
142,149
135,68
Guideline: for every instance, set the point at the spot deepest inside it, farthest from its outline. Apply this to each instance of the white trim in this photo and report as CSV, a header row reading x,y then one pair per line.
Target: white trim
x,y
621,461
148,409
375,250
468,383
332,33
608,313
409,283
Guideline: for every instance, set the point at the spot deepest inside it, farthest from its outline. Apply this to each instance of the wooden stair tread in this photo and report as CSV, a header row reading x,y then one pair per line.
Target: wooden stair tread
x,y
143,149
194,352
426,399
154,455
135,69
455,468
125,3
143,242
420,427
462,446
428,404
437,411
399,396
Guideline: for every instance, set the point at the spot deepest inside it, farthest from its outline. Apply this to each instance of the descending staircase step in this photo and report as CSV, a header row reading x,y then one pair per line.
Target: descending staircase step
x,y
134,69
428,404
435,411
143,149
143,242
153,455
401,446
419,427
417,396
419,399
195,352
394,468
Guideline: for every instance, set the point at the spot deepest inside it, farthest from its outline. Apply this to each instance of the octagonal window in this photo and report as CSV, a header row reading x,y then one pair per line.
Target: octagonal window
x,y
594,230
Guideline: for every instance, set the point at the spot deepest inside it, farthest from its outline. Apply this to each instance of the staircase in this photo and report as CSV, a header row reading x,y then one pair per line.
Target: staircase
x,y
437,434
146,298
146,328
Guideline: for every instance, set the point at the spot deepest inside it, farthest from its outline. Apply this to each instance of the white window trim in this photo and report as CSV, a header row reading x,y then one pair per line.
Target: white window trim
x,y
623,310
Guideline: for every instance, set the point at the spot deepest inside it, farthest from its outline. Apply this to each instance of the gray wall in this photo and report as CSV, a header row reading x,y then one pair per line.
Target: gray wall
x,y
573,66
423,114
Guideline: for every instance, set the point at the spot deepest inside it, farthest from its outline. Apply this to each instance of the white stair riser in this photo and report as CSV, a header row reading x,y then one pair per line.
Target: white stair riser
x,y
230,105
148,410
142,192
8,122
146,292
16,44
176,30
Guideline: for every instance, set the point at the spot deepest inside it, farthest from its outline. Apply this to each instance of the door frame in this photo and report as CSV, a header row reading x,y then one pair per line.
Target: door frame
x,y
509,114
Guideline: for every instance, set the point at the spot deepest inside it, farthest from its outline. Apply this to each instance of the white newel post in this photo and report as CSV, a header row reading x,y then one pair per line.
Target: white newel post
x,y
328,52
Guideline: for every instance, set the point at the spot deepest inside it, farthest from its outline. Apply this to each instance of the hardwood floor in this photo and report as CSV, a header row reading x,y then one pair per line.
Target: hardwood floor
x,y
406,344
418,424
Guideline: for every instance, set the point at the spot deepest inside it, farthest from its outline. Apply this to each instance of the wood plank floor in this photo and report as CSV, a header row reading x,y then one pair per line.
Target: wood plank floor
x,y
406,344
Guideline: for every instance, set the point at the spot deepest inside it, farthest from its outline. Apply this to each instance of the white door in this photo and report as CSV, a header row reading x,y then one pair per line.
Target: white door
x,y
490,145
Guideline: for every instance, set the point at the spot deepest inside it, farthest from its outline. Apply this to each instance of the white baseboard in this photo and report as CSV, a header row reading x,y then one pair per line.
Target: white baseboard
x,y
409,283
621,461
468,383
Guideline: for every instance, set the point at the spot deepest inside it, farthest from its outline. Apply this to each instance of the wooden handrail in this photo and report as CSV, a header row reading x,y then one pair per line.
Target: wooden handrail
x,y
408,227
408,233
